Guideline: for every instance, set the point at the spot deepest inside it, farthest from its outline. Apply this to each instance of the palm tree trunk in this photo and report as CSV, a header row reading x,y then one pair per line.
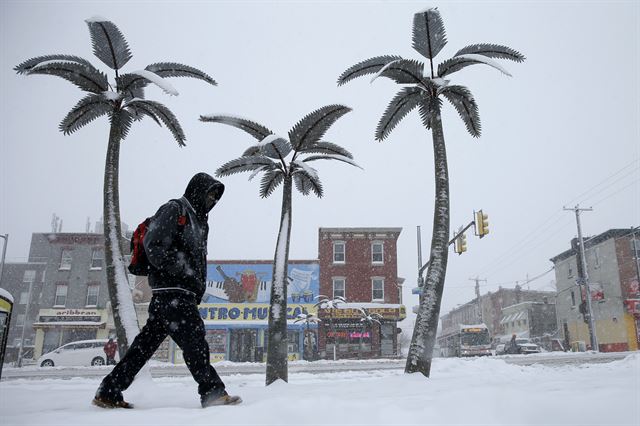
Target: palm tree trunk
x,y
277,333
124,314
424,332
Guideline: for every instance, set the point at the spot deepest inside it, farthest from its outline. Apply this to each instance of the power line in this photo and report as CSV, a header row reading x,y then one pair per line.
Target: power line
x,y
636,160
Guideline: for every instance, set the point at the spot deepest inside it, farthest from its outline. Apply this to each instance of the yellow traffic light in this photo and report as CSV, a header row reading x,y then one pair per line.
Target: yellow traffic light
x,y
482,223
461,244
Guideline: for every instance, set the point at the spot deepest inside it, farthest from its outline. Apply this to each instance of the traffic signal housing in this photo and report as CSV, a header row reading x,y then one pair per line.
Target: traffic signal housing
x,y
482,223
461,243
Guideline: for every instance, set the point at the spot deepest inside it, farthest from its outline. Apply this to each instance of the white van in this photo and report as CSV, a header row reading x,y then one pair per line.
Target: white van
x,y
81,353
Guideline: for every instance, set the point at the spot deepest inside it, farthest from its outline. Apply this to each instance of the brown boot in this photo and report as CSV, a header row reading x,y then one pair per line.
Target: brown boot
x,y
107,403
223,398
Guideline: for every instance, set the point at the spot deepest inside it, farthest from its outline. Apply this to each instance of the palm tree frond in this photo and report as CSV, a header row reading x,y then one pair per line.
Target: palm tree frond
x,y
492,51
307,182
402,71
85,77
245,164
165,115
252,150
401,105
369,66
314,125
274,146
158,81
88,109
332,157
24,67
128,83
270,182
256,130
139,110
458,62
462,100
109,45
125,119
429,36
172,69
327,148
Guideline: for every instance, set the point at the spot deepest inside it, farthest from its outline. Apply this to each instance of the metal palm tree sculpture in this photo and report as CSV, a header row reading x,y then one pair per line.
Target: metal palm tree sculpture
x,y
368,319
284,161
124,103
330,304
424,89
307,319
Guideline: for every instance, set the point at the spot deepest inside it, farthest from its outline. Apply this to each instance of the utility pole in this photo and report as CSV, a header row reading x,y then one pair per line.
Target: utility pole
x,y
477,280
4,252
636,250
585,278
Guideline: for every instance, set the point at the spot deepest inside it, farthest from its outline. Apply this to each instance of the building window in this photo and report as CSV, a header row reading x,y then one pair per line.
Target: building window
x,y
24,297
65,259
377,289
338,252
338,287
570,272
96,259
20,320
61,295
29,277
92,295
596,254
573,298
377,253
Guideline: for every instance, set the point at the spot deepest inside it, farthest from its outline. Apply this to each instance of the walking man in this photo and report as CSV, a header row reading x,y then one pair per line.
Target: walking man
x,y
110,349
175,244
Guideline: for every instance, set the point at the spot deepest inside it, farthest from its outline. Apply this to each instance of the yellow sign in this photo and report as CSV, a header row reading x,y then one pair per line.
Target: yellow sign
x,y
350,313
248,311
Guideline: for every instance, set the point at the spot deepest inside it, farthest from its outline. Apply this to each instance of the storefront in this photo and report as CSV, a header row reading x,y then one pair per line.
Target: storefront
x,y
236,305
56,327
344,330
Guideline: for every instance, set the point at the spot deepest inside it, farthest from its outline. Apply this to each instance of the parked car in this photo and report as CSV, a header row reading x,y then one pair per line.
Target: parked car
x,y
525,346
81,353
500,349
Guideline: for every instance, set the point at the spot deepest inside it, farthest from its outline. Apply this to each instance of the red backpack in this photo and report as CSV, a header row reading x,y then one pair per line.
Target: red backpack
x,y
139,264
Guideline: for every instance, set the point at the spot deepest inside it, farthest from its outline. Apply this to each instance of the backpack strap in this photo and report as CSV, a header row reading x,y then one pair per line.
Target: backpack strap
x,y
182,219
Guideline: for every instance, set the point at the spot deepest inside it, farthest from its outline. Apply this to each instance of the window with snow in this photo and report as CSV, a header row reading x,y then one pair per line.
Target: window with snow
x,y
24,297
377,252
338,287
96,258
338,252
92,295
570,272
377,290
61,295
29,276
65,259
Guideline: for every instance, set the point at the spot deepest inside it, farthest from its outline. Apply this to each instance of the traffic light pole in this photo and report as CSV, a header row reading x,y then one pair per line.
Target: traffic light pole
x,y
453,240
585,279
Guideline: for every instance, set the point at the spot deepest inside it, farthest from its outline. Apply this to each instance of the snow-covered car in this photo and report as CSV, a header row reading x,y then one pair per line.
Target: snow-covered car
x,y
500,349
527,347
80,353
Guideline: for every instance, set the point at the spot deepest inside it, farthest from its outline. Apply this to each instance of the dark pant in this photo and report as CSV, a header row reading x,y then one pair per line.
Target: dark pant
x,y
174,314
111,360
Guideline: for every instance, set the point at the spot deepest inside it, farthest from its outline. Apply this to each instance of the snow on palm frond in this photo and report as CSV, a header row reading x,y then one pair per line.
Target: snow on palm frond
x,y
165,115
252,150
158,81
325,302
429,36
332,157
256,130
172,69
129,82
307,181
401,105
109,45
402,71
245,164
369,66
492,51
462,99
84,76
88,109
24,67
458,62
311,128
270,181
274,146
327,148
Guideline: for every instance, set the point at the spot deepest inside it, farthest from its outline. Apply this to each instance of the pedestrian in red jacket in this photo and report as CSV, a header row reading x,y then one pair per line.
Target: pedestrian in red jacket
x,y
110,349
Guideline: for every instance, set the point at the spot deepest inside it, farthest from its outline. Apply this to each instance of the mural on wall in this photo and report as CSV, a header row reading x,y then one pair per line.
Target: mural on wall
x,y
251,283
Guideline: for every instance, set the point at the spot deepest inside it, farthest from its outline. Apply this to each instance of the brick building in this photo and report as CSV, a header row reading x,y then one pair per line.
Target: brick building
x,y
360,264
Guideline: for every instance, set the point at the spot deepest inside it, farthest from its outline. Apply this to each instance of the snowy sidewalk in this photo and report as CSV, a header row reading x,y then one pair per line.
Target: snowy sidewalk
x,y
461,391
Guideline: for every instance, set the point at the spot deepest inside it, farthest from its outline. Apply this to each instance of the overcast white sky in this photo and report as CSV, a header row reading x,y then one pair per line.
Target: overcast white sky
x,y
564,129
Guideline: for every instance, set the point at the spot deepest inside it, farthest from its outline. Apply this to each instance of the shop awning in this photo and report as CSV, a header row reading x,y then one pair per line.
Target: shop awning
x,y
69,324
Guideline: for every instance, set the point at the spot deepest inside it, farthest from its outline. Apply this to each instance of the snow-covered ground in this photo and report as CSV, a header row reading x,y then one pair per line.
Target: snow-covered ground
x,y
461,391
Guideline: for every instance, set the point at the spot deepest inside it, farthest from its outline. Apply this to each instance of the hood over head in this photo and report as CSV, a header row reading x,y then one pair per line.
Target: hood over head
x,y
198,189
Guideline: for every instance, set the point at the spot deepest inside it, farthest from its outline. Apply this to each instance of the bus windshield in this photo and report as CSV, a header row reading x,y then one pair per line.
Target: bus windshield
x,y
475,338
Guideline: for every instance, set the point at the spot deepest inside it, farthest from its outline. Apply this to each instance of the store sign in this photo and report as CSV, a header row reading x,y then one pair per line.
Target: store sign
x,y
65,315
247,311
349,313
632,306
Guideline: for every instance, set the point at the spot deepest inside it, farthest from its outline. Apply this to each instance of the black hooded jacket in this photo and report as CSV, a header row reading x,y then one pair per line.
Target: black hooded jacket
x,y
176,239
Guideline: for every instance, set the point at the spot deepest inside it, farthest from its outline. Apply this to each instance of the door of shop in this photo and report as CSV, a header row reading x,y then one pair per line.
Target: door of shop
x,y
242,347
386,340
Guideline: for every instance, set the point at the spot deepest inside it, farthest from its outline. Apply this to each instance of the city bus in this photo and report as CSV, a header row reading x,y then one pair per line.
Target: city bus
x,y
465,340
